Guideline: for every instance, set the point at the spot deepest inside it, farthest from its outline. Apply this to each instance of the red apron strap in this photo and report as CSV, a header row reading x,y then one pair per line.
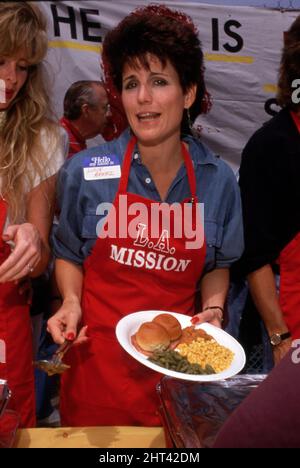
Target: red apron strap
x,y
127,164
190,170
3,213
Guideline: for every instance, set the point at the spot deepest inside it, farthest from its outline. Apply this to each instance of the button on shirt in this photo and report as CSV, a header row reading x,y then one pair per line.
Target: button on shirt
x,y
217,189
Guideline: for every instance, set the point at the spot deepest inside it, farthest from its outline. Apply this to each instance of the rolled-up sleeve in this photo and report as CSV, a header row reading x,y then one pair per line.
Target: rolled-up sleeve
x,y
66,236
232,239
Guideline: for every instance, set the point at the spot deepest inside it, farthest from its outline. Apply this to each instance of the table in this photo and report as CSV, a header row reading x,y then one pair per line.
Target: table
x,y
91,437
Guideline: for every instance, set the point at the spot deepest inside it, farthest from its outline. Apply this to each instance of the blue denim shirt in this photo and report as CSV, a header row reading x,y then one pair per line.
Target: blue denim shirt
x,y
75,234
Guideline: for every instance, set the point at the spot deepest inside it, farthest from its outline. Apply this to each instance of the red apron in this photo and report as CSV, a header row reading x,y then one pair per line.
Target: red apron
x,y
289,262
106,386
15,332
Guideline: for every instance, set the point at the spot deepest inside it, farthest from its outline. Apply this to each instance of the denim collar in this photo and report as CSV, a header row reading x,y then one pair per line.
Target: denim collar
x,y
200,153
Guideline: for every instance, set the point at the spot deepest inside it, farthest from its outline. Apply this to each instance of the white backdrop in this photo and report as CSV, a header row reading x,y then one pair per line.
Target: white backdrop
x,y
242,48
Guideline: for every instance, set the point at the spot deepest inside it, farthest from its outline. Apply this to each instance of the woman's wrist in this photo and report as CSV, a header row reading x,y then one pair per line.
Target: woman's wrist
x,y
71,300
209,314
219,311
214,307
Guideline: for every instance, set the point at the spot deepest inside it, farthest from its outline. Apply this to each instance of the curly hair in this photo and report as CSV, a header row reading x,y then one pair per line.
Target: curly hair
x,y
293,34
289,66
167,34
23,157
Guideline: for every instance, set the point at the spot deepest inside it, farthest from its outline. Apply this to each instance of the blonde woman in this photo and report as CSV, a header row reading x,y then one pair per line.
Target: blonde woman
x,y
30,155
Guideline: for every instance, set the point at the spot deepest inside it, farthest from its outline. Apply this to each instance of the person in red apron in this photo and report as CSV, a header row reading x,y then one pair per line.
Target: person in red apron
x,y
27,191
270,194
148,266
289,264
15,333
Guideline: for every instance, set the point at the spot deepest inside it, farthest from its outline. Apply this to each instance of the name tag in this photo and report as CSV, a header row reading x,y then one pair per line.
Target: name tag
x,y
102,167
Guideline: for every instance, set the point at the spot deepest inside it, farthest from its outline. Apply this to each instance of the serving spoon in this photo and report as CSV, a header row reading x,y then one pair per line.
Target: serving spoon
x,y
55,364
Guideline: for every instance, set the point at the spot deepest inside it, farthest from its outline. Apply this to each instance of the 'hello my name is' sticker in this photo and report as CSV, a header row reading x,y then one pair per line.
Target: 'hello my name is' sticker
x,y
102,167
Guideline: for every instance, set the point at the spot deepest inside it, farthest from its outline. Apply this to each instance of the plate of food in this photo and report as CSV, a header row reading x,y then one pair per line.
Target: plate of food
x,y
168,343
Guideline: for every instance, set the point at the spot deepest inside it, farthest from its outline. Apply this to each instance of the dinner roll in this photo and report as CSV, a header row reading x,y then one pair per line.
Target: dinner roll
x,y
152,337
171,324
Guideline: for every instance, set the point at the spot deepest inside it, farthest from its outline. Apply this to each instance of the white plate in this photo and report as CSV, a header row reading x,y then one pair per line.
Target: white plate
x,y
128,325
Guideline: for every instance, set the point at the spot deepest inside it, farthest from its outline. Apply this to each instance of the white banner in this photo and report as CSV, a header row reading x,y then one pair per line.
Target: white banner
x,y
242,48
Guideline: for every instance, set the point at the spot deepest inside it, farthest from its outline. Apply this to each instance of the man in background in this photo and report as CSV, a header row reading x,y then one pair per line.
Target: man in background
x,y
86,113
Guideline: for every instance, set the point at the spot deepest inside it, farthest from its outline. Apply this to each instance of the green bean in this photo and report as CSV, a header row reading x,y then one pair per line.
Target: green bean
x,y
171,359
209,369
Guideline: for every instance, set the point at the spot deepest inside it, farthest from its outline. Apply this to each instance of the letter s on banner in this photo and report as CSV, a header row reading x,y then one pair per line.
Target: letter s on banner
x,y
296,353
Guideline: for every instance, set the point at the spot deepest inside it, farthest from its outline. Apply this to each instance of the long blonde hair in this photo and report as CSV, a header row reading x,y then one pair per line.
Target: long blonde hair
x,y
23,158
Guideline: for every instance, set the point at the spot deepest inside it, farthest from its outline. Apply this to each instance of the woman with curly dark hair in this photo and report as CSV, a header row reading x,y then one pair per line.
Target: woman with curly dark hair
x,y
270,189
154,60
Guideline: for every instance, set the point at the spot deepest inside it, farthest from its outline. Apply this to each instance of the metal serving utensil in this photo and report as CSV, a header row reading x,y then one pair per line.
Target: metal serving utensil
x,y
55,364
